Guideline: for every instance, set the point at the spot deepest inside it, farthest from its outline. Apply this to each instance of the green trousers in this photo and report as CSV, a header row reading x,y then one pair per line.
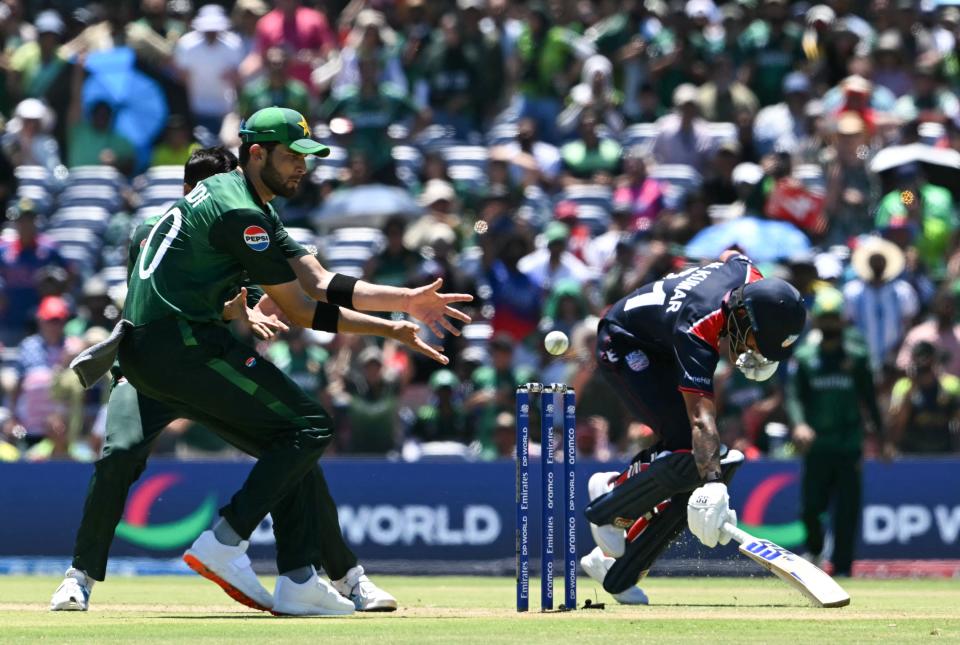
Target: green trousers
x,y
832,477
202,372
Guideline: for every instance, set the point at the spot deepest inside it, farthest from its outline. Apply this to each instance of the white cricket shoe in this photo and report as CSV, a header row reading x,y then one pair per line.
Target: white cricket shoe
x,y
365,595
73,594
611,539
229,567
315,597
596,564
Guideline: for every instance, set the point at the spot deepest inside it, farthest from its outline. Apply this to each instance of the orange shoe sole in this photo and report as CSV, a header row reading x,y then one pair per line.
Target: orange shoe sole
x,y
231,591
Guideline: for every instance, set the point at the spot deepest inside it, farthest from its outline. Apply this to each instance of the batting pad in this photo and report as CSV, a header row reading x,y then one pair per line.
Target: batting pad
x,y
641,553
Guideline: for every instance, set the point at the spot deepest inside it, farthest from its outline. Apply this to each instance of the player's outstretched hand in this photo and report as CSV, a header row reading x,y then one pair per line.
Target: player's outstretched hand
x,y
432,308
269,308
264,326
406,333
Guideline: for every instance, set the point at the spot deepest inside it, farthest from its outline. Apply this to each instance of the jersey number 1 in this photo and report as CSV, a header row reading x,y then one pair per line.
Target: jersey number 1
x,y
656,297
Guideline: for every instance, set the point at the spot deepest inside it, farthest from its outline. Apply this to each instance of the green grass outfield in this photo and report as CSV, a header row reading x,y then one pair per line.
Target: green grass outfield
x,y
189,610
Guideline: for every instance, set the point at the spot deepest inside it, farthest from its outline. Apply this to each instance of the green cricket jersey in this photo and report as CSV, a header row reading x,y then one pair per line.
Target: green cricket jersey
x,y
826,391
139,239
199,249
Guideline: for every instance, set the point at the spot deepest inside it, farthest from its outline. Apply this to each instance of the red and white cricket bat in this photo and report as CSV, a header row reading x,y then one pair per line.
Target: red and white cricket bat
x,y
802,575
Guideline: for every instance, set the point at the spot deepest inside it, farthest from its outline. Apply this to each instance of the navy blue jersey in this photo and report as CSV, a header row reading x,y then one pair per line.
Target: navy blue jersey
x,y
679,319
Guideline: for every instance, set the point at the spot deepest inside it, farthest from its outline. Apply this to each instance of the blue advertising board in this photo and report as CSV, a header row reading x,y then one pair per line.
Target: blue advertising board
x,y
463,512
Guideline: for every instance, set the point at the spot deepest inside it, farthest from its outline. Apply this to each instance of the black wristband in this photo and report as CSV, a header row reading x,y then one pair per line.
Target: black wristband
x,y
713,477
340,290
326,317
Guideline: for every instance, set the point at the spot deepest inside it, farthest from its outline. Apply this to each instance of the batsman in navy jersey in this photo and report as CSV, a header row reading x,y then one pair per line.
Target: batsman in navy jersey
x,y
660,346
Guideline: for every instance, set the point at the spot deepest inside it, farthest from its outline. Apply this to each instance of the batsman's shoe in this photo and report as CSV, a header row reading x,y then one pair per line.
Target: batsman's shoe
x,y
365,595
315,597
596,564
608,537
229,567
632,596
73,594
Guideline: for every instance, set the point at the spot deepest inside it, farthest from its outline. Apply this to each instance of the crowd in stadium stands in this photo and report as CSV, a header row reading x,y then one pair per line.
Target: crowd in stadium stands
x,y
546,156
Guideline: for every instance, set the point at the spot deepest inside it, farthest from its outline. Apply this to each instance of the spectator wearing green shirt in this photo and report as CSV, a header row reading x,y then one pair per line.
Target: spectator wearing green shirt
x,y
830,386
93,141
920,214
369,109
493,387
443,418
770,48
38,71
57,444
722,96
623,37
374,406
91,138
176,146
925,405
590,159
276,87
681,52
395,264
155,34
545,52
503,445
36,65
484,49
297,356
96,308
928,100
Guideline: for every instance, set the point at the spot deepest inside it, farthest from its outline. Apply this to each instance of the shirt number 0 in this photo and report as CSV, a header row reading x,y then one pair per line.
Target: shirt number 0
x,y
168,238
656,297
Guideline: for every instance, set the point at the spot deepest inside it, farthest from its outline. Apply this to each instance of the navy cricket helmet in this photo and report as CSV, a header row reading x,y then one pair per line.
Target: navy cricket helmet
x,y
777,315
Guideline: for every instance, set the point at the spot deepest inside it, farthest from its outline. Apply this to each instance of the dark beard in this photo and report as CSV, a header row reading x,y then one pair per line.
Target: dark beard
x,y
272,180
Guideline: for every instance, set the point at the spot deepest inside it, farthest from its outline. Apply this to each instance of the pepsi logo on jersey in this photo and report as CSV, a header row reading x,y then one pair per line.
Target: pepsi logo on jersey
x,y
256,238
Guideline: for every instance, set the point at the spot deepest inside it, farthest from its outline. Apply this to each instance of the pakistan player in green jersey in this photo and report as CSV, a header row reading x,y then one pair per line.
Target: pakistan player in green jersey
x,y
179,353
133,424
830,385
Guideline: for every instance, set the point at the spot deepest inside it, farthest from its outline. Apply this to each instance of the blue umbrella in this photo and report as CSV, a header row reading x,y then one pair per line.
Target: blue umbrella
x,y
762,240
138,102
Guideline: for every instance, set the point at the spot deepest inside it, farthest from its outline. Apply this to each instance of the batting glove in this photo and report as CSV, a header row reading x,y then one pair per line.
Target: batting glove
x,y
707,510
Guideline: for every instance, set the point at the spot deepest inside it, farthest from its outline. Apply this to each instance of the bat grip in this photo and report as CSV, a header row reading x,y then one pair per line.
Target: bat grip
x,y
737,534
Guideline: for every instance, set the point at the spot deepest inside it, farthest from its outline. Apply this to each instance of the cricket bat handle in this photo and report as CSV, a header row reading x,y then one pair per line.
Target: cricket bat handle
x,y
736,533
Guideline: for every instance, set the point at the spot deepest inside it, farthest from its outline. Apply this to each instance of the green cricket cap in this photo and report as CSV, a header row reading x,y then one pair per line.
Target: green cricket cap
x,y
828,301
443,378
282,125
556,232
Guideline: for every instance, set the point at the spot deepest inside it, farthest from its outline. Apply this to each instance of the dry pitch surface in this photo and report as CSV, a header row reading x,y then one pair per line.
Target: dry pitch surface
x,y
188,610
